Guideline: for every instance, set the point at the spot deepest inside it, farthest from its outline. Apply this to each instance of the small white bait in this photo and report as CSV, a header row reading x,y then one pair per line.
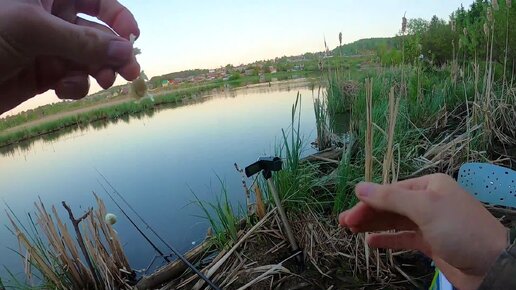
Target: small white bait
x,y
110,219
139,89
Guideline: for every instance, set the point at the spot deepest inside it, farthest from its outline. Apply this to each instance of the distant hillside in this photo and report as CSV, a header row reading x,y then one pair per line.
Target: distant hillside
x,y
365,46
309,60
182,74
156,81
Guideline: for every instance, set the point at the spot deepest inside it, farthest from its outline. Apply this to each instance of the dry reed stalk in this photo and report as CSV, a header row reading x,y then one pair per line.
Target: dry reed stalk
x,y
67,241
101,250
33,253
56,242
246,190
273,269
388,162
369,154
389,156
404,23
496,7
260,206
111,236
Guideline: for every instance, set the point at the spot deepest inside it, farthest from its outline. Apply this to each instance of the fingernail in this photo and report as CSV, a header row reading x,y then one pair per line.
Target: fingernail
x,y
366,189
340,219
342,215
120,51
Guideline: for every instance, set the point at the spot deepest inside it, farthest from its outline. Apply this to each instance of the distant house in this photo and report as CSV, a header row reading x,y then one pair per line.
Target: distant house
x,y
164,83
298,67
240,68
199,79
273,69
249,72
179,80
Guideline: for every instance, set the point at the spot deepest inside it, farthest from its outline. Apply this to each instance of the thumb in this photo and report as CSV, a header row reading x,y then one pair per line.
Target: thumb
x,y
394,198
45,34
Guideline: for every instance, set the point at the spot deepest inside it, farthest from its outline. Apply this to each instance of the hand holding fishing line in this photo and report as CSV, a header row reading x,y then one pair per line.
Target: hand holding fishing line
x,y
434,215
44,45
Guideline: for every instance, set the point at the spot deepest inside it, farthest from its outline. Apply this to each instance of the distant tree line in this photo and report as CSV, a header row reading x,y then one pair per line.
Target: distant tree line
x,y
465,35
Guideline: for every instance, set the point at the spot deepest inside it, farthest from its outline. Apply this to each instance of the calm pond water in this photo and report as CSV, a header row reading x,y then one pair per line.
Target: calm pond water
x,y
155,162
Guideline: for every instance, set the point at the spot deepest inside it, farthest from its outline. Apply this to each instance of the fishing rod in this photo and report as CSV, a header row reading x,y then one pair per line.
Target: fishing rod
x,y
134,224
179,255
134,211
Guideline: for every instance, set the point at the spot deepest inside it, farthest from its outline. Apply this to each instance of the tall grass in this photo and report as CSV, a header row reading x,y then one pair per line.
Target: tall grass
x,y
222,217
297,179
442,121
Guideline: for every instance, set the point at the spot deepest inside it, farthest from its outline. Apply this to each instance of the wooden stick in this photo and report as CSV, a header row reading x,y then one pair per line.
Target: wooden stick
x,y
327,160
173,269
80,240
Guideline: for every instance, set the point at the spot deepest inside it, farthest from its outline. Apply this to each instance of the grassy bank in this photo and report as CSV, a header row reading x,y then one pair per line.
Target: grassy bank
x,y
406,121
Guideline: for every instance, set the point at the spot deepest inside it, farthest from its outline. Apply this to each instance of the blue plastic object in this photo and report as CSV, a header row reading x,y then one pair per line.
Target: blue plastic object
x,y
489,183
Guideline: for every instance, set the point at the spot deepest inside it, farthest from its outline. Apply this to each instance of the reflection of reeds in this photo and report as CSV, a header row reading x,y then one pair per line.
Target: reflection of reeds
x,y
102,264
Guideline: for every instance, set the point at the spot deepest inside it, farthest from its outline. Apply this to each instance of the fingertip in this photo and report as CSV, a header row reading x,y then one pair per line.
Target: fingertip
x,y
120,51
126,25
105,77
130,71
342,218
73,87
365,189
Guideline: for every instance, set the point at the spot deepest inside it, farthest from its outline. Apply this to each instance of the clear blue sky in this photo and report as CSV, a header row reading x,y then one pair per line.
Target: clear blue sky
x,y
179,35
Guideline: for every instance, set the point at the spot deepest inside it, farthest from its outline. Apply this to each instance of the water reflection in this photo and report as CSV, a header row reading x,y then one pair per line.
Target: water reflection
x,y
27,145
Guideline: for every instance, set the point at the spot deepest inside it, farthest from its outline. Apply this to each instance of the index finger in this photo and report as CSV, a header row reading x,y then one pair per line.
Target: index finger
x,y
111,12
418,183
363,218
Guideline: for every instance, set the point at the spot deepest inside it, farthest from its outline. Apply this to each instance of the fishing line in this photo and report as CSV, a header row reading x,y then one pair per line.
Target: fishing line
x,y
181,257
131,221
134,211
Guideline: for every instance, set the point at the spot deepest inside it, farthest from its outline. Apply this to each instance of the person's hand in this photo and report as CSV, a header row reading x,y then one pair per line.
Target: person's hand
x,y
434,215
44,45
